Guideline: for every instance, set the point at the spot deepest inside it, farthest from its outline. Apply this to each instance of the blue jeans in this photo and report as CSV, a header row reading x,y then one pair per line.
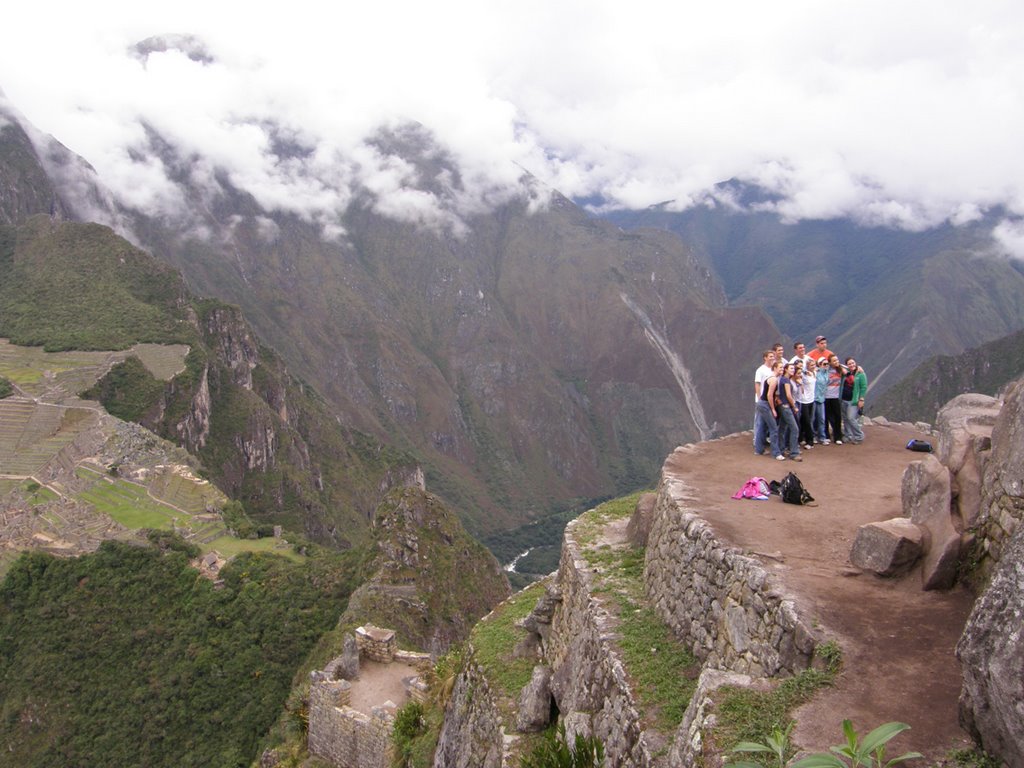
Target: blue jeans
x,y
852,430
760,429
790,429
819,421
767,421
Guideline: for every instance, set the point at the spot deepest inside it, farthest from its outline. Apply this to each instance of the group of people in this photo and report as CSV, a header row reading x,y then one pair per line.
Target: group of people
x,y
813,398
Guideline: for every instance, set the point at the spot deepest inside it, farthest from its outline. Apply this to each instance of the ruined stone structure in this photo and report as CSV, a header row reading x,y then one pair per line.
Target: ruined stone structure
x,y
720,602
338,732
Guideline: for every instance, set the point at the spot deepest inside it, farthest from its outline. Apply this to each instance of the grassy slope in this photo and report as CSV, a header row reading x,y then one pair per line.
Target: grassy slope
x,y
82,287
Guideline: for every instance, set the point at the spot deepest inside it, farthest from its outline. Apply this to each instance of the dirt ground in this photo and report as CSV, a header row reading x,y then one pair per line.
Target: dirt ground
x,y
897,640
378,683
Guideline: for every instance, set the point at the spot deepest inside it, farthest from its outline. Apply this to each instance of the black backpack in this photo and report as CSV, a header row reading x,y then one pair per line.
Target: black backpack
x,y
793,491
921,446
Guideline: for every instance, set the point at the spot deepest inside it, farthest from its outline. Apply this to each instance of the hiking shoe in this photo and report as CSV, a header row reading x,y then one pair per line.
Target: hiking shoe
x,y
780,457
839,442
824,442
798,457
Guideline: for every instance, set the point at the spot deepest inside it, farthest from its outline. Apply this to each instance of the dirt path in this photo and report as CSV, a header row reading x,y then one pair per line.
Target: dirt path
x,y
897,640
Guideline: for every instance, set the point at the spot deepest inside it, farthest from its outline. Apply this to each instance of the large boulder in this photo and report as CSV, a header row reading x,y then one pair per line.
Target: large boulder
x,y
535,702
888,548
639,527
964,426
926,494
991,651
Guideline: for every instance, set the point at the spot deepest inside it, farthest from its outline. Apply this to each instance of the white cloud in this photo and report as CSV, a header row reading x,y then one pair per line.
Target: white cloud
x,y
1009,237
905,114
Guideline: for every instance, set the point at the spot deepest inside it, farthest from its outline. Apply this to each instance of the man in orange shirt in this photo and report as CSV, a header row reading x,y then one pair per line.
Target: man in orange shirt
x,y
820,350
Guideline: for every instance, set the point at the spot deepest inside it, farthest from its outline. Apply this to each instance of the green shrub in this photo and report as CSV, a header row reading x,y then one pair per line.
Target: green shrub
x,y
554,751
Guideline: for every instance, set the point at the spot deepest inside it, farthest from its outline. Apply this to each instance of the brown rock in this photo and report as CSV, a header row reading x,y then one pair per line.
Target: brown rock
x,y
964,426
888,548
535,702
639,527
992,658
927,502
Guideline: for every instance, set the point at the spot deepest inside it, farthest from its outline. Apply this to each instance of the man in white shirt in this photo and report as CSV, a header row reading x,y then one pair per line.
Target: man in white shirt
x,y
760,375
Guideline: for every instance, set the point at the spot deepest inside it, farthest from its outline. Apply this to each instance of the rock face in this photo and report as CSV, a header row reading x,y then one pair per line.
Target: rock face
x,y
888,548
471,736
964,426
431,581
926,501
640,523
991,651
1002,498
535,702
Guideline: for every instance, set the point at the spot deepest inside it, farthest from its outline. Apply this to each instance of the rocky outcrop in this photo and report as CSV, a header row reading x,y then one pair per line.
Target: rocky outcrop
x,y
927,498
991,652
964,427
472,735
431,581
1002,497
193,429
233,344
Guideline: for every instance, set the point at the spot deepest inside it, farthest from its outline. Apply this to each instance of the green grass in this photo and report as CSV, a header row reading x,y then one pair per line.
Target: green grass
x,y
229,547
662,670
127,503
37,494
495,637
744,714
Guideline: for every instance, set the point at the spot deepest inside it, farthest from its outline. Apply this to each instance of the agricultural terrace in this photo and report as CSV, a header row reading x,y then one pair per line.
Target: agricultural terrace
x,y
56,376
33,434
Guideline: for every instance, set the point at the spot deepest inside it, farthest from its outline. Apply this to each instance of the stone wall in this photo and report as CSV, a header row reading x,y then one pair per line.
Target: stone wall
x,y
342,735
589,681
376,644
720,602
1002,490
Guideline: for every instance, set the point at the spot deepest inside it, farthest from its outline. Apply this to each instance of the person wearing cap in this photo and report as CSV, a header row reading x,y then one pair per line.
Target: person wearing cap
x,y
821,350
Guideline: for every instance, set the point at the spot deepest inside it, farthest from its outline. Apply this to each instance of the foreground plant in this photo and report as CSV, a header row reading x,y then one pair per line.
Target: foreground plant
x,y
777,744
556,752
866,753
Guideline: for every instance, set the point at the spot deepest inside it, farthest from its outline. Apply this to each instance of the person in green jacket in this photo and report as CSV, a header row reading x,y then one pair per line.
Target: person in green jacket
x,y
855,387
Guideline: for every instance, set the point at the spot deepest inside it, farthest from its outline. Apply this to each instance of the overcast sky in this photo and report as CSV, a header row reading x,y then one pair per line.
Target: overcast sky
x,y
898,113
